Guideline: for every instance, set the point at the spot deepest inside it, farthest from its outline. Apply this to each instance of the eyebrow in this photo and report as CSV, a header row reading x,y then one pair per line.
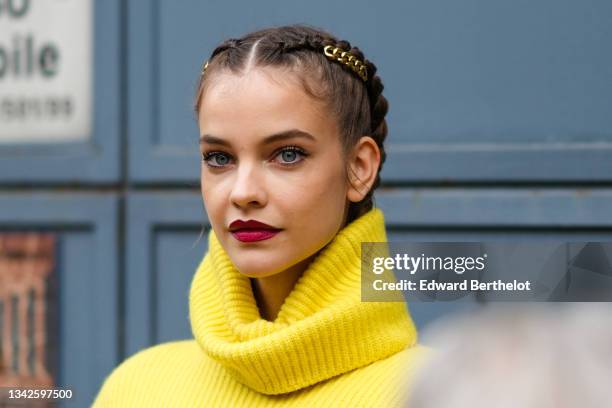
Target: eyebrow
x,y
287,134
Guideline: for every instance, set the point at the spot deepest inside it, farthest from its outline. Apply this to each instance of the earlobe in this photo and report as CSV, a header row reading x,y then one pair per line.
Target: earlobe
x,y
363,168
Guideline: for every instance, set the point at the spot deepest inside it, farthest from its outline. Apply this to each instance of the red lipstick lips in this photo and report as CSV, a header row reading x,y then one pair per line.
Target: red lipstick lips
x,y
251,230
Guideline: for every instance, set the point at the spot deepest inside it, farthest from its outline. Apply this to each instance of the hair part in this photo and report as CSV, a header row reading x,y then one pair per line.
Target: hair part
x,y
359,107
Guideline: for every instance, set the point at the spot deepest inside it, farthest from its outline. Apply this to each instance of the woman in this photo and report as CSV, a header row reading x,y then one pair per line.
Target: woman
x,y
292,124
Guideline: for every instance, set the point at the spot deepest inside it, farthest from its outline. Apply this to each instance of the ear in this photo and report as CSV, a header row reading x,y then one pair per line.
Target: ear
x,y
362,168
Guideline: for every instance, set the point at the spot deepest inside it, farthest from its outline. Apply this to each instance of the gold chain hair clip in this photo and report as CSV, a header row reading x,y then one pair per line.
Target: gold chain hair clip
x,y
348,59
335,54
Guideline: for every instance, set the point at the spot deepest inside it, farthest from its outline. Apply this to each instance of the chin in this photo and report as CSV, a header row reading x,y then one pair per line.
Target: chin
x,y
259,271
256,273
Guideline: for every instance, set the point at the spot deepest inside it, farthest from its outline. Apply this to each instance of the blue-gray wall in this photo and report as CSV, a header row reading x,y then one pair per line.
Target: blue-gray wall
x,y
500,127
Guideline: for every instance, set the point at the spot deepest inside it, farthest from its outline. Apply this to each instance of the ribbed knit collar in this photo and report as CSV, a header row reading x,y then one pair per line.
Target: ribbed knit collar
x,y
322,329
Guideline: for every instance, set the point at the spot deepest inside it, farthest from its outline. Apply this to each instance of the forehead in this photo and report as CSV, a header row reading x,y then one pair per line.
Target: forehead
x,y
258,103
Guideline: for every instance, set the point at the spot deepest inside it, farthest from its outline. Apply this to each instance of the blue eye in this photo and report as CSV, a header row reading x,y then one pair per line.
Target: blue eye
x,y
221,159
290,154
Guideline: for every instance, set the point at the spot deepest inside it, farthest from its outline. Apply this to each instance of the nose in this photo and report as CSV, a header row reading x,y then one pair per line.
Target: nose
x,y
248,189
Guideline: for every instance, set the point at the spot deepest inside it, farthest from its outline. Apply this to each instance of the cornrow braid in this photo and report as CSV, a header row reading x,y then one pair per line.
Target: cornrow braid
x,y
379,106
359,104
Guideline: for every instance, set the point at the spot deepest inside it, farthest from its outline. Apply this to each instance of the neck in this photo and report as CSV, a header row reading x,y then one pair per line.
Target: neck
x,y
271,291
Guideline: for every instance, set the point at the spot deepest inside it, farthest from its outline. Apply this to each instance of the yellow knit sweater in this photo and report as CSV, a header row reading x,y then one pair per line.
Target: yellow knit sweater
x,y
326,348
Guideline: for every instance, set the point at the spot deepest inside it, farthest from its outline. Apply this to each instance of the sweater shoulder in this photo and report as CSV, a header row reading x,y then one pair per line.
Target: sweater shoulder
x,y
148,373
179,373
412,357
156,357
386,382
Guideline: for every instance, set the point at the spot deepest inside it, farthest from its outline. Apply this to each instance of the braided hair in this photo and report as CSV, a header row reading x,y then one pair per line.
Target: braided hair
x,y
358,105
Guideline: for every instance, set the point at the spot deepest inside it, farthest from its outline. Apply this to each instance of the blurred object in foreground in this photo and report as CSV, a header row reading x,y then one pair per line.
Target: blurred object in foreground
x,y
27,318
524,356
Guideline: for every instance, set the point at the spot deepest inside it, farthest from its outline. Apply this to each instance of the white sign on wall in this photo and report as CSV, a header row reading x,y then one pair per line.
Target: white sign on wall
x,y
45,70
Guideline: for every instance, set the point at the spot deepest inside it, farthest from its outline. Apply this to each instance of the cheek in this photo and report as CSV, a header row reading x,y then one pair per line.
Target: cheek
x,y
316,199
319,183
214,187
213,197
205,189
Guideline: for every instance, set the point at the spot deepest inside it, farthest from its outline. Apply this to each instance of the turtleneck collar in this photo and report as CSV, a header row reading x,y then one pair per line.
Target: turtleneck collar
x,y
322,329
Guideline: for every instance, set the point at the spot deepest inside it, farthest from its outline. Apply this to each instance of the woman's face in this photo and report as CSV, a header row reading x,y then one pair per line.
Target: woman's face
x,y
270,154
